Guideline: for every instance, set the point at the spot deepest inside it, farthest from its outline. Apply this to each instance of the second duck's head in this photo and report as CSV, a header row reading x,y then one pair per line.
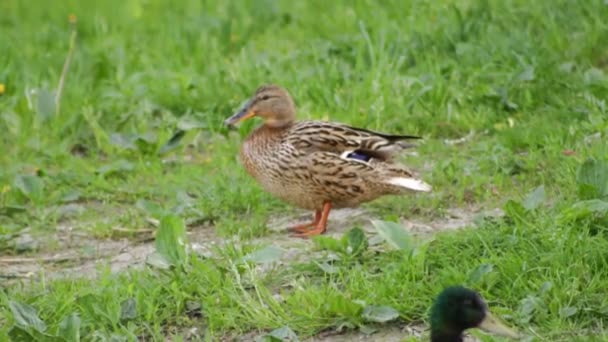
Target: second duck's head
x,y
271,103
458,308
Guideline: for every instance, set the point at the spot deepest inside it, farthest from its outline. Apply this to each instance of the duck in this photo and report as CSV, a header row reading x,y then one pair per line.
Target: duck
x,y
457,309
319,165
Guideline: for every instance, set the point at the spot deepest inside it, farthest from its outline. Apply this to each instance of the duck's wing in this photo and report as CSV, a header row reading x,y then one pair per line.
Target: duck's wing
x,y
312,136
343,175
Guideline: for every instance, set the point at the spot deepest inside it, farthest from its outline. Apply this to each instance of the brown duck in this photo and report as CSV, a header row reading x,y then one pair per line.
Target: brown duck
x,y
319,165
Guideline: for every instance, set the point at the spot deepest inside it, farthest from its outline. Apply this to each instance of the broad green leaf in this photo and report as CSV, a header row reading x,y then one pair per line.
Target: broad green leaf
x,y
367,330
189,122
568,311
395,234
327,268
150,208
118,166
584,209
18,333
69,328
171,240
535,198
123,141
379,314
356,241
30,186
157,260
528,307
71,196
45,105
283,334
173,142
92,305
527,74
128,309
594,76
12,122
592,179
545,288
265,255
26,316
479,272
146,143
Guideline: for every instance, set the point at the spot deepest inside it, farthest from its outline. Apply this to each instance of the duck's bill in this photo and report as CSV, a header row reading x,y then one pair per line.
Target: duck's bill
x,y
492,325
243,114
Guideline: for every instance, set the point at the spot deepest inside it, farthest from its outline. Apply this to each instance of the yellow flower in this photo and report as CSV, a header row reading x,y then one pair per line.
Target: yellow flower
x,y
2,88
72,18
5,189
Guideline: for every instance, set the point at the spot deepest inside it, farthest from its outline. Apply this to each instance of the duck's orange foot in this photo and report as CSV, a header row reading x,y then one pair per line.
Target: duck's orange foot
x,y
318,230
320,224
301,228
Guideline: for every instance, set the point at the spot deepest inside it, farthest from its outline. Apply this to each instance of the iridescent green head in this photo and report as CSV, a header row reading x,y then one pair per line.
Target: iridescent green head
x,y
457,309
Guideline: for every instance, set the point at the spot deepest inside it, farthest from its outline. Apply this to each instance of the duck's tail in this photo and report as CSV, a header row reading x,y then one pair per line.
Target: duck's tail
x,y
410,183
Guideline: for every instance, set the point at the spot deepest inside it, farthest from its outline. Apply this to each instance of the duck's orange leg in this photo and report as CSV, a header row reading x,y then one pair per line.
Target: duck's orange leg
x,y
321,226
301,228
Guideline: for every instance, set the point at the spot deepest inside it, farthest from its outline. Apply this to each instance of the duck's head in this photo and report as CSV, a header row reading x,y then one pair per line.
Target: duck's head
x,y
271,103
457,309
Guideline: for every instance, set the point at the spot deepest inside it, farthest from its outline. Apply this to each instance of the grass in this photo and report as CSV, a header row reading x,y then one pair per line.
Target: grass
x,y
526,81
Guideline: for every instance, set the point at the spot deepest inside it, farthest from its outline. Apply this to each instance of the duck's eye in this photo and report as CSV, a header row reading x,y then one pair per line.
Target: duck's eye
x,y
265,97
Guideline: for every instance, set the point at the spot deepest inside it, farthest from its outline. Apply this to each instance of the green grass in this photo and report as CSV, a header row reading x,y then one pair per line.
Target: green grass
x,y
527,80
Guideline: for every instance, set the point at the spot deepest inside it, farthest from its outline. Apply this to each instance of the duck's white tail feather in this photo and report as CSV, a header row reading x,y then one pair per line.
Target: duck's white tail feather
x,y
410,183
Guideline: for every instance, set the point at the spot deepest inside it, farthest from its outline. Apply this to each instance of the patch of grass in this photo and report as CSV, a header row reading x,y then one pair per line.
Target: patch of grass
x,y
509,96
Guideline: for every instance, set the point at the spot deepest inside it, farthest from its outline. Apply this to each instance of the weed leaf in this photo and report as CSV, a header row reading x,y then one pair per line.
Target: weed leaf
x,y
173,142
283,333
189,122
150,208
568,311
69,328
479,272
584,209
592,179
118,166
157,260
265,255
45,104
128,309
26,316
123,141
379,314
528,307
356,241
394,234
526,75
30,186
535,198
171,240
327,268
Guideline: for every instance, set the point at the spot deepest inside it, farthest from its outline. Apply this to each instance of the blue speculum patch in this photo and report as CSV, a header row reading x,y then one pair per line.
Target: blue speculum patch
x,y
358,156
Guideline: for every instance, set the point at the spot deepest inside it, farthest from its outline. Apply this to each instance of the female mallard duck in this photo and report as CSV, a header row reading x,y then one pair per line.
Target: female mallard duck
x,y
319,165
457,309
